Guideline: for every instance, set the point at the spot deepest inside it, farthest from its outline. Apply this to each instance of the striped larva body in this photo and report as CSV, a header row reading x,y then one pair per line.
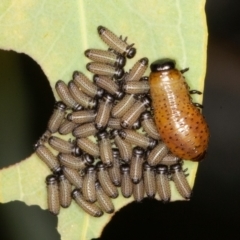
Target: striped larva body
x,y
85,130
103,199
149,126
103,112
81,117
105,181
66,97
64,146
88,187
157,154
77,163
136,164
170,159
149,180
179,122
137,71
114,171
116,43
123,105
105,148
88,207
136,138
162,183
138,191
107,57
127,185
105,70
125,148
47,157
181,183
86,85
136,87
133,113
57,117
80,97
66,127
108,85
88,146
73,177
53,194
65,189
114,123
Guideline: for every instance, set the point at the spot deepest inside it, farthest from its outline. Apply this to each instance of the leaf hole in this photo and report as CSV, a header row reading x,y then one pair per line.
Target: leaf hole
x,y
26,103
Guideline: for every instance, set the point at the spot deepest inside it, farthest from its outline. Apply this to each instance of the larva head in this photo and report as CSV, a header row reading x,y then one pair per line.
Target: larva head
x,y
120,61
131,52
51,179
162,169
160,65
88,159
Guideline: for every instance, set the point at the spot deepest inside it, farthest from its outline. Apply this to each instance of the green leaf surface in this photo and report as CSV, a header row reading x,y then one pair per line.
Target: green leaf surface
x,y
56,34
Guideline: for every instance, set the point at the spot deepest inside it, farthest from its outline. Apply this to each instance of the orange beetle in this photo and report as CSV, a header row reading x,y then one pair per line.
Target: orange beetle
x,y
179,122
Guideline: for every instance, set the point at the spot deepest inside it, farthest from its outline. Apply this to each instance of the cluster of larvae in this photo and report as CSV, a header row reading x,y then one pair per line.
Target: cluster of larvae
x,y
116,146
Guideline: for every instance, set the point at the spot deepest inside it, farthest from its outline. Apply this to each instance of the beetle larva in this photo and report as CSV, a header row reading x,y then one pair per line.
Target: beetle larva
x,y
162,183
109,85
80,97
116,43
107,57
133,113
123,105
136,164
179,122
105,181
180,181
105,148
103,112
149,180
73,177
47,156
104,69
137,70
157,154
124,147
170,159
88,188
149,126
85,130
63,146
103,200
127,185
81,117
114,171
66,127
136,138
77,163
136,87
65,189
65,95
86,85
114,123
90,208
57,117
138,191
88,146
53,194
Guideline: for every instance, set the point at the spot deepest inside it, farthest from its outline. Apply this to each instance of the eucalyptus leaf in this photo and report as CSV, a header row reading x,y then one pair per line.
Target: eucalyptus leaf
x,y
56,34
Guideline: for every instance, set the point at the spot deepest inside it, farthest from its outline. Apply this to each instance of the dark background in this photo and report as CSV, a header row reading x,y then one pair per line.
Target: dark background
x,y
26,103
